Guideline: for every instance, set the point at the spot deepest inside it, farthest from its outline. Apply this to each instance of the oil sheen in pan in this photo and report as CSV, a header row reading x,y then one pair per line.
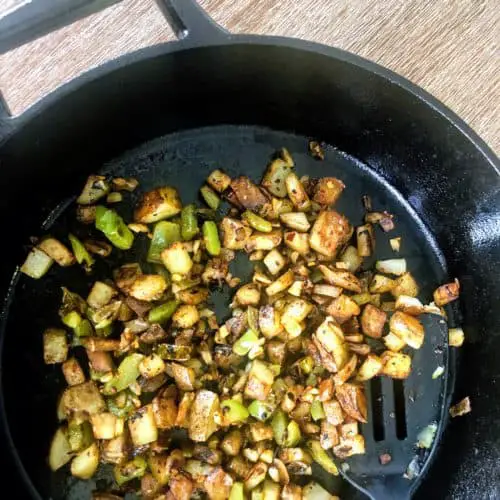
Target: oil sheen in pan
x,y
184,160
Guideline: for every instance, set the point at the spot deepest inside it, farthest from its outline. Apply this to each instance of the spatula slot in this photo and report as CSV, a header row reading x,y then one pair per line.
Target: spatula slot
x,y
377,409
400,407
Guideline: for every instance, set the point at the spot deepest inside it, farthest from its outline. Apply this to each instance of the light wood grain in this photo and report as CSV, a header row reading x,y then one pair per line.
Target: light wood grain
x,y
449,47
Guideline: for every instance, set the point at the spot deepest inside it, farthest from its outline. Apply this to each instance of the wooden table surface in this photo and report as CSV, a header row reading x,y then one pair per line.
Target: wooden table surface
x,y
449,47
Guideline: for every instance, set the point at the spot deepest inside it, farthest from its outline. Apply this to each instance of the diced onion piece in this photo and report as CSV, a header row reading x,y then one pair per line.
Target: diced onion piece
x,y
37,264
391,266
274,261
60,451
437,372
456,337
296,220
395,243
95,188
426,436
351,258
176,259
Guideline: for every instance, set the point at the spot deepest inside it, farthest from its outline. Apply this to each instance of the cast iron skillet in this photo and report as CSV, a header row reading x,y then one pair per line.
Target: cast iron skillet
x,y
172,112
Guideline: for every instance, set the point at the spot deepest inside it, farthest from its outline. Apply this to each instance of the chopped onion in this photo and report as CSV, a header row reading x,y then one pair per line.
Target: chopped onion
x,y
426,436
437,372
391,266
395,243
456,337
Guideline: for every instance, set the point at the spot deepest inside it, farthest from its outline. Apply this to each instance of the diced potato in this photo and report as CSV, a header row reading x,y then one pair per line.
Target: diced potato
x,y
269,321
372,321
165,412
193,296
296,309
202,415
329,435
218,484
142,426
347,371
275,176
291,492
329,232
297,193
259,431
124,184
264,241
184,376
57,251
151,366
248,295
37,264
327,190
256,475
370,368
405,285
341,278
347,447
176,259
250,196
60,451
332,339
396,364
296,220
105,425
393,342
218,180
408,328
232,443
280,284
186,316
55,346
260,381
409,305
333,412
235,233
447,293
353,401
158,204
343,308
125,276
100,295
85,464
182,419
314,491
297,241
274,261
148,287
381,284
456,337
73,372
83,398
351,259
95,188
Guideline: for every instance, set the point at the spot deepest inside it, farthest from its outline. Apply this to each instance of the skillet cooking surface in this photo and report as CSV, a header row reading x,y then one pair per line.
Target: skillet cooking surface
x,y
184,160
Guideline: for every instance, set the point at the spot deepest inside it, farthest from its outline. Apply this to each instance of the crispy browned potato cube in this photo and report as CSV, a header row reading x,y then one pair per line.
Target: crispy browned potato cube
x,y
329,232
343,308
235,233
327,190
408,328
158,204
353,401
372,321
370,368
73,372
445,293
396,364
164,412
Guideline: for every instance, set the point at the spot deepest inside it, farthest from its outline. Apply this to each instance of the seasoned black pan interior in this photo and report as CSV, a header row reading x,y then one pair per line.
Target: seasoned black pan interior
x,y
184,160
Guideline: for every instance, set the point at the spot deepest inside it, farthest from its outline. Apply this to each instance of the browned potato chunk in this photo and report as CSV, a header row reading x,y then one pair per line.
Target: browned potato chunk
x,y
382,284
186,316
55,346
461,408
393,342
329,232
193,296
330,336
165,412
148,287
405,285
219,180
218,484
347,371
248,295
327,190
249,195
408,328
347,447
274,261
341,278
73,372
202,415
370,368
235,233
158,204
372,321
57,251
409,305
297,241
297,193
343,308
396,364
280,284
353,401
329,435
333,411
83,398
264,241
269,321
275,176
442,295
184,376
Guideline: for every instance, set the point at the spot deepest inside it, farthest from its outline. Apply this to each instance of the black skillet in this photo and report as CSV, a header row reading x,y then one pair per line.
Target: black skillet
x,y
172,112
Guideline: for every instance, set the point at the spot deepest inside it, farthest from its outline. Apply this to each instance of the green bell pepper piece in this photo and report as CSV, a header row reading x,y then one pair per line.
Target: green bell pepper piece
x,y
72,319
130,470
161,314
84,329
121,411
243,345
80,252
114,228
293,435
260,410
210,196
211,237
189,223
165,233
128,372
233,411
80,436
258,223
321,457
237,492
317,411
279,424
